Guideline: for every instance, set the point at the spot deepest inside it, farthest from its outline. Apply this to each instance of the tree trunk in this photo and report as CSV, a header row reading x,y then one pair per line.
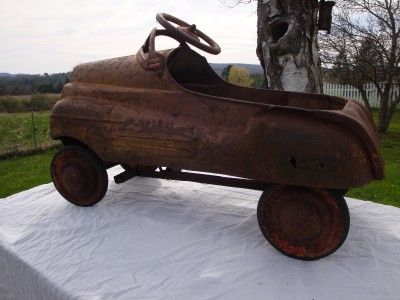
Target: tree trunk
x,y
385,115
364,96
383,123
287,45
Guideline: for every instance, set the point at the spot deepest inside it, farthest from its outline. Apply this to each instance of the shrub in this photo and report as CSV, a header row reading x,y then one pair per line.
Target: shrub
x,y
36,102
40,102
240,76
10,104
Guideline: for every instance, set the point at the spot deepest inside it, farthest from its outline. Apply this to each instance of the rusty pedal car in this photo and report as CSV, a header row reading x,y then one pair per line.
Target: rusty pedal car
x,y
160,112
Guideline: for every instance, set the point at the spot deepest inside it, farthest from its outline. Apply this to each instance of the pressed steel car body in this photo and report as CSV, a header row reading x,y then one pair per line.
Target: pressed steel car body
x,y
169,108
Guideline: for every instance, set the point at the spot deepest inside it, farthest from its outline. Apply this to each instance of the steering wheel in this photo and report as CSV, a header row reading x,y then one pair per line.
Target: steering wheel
x,y
185,32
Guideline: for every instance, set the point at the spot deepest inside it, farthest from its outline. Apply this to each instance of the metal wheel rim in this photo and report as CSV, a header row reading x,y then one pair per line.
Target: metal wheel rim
x,y
327,212
78,176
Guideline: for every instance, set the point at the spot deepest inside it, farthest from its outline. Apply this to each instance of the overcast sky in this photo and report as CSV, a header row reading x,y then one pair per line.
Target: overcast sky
x,y
53,36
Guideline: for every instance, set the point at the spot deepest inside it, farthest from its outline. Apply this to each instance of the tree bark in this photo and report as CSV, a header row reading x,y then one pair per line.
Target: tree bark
x,y
287,44
364,96
386,111
383,123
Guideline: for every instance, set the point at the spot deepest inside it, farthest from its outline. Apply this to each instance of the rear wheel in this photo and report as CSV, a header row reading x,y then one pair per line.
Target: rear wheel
x,y
79,175
303,223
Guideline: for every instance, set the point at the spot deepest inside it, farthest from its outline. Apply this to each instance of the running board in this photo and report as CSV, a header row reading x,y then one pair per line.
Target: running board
x,y
194,177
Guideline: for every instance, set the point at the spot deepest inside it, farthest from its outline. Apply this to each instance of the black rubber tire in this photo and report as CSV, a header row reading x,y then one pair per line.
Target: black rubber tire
x,y
285,243
79,175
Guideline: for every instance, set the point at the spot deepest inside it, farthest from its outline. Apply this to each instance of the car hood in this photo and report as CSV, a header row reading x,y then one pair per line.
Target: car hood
x,y
123,71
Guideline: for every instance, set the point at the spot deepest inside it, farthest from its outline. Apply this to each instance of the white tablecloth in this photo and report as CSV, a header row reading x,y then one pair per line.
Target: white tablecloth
x,y
159,239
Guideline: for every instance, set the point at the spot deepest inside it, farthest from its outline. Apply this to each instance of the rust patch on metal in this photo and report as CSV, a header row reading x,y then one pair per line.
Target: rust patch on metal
x,y
79,176
303,223
273,136
169,108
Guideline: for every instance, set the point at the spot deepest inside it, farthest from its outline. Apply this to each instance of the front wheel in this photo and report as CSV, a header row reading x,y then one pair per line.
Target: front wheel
x,y
79,175
303,223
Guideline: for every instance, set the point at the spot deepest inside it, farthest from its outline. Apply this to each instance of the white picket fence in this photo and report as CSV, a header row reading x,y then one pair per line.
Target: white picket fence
x,y
348,91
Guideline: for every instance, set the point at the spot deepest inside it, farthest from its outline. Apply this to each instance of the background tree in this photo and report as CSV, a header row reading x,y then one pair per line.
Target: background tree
x,y
225,72
287,45
258,81
2,90
350,70
23,84
364,47
240,76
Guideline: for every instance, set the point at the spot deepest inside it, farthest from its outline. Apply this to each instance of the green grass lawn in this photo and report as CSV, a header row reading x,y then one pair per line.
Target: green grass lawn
x,y
16,132
20,173
386,191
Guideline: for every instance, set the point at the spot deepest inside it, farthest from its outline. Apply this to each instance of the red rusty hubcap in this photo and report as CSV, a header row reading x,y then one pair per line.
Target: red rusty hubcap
x,y
79,176
74,179
303,223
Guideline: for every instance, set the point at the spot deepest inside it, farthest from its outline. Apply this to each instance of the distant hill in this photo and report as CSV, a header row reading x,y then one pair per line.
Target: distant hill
x,y
217,67
253,69
22,84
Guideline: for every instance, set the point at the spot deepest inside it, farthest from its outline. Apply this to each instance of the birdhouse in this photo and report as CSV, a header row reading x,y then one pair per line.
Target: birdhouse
x,y
325,15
